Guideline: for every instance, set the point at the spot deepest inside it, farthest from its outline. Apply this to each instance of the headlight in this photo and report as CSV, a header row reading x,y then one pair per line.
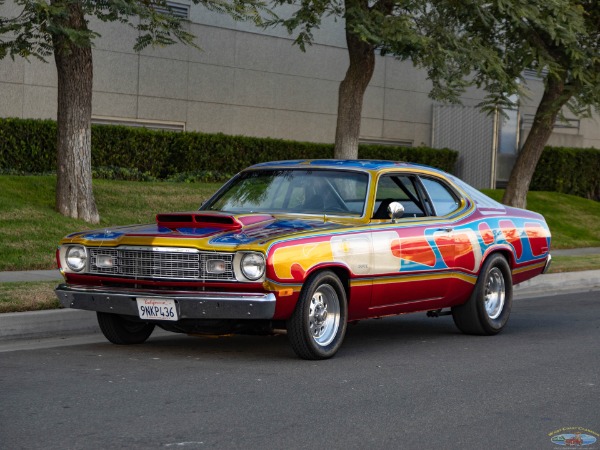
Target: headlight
x,y
253,266
76,258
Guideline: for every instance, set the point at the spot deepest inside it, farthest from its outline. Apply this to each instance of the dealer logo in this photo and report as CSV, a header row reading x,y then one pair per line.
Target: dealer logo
x,y
574,437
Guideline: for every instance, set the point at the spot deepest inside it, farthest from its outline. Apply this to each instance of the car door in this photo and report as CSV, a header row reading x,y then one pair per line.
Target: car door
x,y
457,242
408,257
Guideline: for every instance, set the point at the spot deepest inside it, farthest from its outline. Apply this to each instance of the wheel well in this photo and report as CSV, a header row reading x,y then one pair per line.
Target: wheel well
x,y
507,255
343,274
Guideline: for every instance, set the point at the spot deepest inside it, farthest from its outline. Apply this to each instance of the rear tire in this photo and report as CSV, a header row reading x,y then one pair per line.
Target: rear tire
x,y
488,309
318,325
121,331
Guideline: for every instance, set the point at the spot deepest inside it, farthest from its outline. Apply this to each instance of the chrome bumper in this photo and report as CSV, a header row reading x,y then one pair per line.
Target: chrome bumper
x,y
547,265
196,305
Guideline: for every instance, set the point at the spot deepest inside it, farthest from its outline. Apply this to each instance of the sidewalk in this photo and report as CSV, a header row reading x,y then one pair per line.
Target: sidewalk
x,y
65,322
30,275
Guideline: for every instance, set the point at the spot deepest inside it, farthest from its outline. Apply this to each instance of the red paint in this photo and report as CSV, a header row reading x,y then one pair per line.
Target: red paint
x,y
537,236
297,272
464,257
103,280
284,307
445,245
414,249
256,218
431,298
486,233
511,234
198,220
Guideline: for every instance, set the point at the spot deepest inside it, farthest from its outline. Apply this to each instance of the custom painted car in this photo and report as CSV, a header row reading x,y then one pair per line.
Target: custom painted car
x,y
308,246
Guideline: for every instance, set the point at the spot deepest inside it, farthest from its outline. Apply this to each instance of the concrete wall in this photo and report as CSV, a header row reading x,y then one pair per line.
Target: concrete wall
x,y
244,81
247,81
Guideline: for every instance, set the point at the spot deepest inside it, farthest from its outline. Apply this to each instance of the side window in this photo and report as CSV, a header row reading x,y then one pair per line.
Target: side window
x,y
397,188
444,201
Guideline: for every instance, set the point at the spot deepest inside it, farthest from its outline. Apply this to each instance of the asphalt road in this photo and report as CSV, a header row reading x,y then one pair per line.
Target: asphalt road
x,y
407,382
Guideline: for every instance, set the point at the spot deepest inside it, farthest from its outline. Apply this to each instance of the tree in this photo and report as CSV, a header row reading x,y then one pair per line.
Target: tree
x,y
561,40
486,43
61,27
423,32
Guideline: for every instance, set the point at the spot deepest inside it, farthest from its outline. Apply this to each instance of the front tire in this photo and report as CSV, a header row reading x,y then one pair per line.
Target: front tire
x,y
318,325
121,331
487,310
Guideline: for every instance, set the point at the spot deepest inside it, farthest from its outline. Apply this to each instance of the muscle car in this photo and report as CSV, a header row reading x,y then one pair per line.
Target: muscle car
x,y
309,246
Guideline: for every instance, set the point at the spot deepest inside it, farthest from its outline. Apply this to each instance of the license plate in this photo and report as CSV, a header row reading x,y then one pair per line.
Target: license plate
x,y
157,309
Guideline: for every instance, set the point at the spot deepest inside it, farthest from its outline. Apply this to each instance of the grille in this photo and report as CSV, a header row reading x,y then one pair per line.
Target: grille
x,y
164,263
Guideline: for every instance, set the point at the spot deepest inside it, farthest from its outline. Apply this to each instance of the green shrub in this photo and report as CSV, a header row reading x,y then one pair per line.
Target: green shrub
x,y
573,171
27,146
127,153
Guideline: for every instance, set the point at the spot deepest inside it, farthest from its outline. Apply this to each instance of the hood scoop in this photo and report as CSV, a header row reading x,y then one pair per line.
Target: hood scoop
x,y
195,220
208,220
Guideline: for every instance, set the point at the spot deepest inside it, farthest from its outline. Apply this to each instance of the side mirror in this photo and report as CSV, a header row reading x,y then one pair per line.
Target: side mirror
x,y
395,211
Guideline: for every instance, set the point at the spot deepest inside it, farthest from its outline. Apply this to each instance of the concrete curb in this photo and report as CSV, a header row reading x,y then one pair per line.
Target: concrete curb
x,y
43,324
66,322
585,280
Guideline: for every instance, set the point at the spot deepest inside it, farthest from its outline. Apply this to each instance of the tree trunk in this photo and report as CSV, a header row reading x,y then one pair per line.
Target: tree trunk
x,y
351,94
74,196
553,100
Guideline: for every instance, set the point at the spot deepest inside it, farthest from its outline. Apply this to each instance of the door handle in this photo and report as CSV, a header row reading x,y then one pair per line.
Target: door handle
x,y
446,229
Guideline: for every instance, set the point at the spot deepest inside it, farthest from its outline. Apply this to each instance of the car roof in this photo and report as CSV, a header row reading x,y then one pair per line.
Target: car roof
x,y
375,165
356,164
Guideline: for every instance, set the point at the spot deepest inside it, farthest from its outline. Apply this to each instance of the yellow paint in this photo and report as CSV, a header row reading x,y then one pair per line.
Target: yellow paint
x,y
404,279
305,255
526,268
279,287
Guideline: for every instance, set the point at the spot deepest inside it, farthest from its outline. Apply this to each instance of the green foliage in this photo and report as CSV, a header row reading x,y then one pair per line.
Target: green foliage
x,y
30,227
573,171
28,145
31,33
125,153
557,38
431,34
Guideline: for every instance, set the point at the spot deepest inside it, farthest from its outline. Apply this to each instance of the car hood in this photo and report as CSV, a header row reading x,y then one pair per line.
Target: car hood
x,y
208,229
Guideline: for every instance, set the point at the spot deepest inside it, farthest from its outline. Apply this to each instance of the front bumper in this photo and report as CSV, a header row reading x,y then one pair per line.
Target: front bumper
x,y
196,305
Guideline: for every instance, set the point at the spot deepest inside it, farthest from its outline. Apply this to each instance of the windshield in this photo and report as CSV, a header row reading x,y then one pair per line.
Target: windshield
x,y
299,191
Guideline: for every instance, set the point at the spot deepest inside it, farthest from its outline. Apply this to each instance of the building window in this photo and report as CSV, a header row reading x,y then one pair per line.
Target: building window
x,y
388,142
140,123
531,74
175,9
509,132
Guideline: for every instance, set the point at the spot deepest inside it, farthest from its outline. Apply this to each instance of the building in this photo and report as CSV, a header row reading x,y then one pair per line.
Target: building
x,y
254,82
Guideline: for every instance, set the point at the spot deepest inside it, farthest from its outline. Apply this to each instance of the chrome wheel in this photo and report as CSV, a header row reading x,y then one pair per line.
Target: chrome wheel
x,y
324,315
317,327
494,293
487,310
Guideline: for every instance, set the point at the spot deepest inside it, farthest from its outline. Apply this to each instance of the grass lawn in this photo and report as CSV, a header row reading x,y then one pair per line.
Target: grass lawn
x,y
29,296
574,221
574,263
30,228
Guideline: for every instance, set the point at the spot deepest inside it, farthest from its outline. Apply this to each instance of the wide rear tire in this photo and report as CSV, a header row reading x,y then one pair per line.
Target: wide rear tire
x,y
318,325
488,309
121,331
